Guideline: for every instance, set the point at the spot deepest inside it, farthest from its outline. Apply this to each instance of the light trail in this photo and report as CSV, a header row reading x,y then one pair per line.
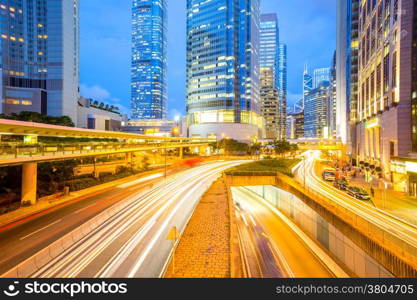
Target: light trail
x,y
134,240
384,220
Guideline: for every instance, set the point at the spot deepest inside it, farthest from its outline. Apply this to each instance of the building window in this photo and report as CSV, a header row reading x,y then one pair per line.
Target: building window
x,y
91,123
392,149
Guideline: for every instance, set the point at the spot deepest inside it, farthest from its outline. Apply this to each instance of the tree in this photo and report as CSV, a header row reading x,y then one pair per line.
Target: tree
x,y
282,147
255,148
35,117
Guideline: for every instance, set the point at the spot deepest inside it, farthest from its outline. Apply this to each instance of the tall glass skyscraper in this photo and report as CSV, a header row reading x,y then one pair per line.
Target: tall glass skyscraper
x,y
307,85
273,56
269,44
347,64
39,57
223,85
149,60
321,75
282,87
315,112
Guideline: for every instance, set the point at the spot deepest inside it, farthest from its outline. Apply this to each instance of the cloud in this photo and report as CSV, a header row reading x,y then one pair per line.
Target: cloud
x,y
98,93
95,92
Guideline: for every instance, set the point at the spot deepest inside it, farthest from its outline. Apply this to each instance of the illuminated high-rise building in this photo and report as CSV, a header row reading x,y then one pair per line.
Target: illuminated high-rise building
x,y
307,85
386,122
39,58
149,60
223,81
273,58
347,73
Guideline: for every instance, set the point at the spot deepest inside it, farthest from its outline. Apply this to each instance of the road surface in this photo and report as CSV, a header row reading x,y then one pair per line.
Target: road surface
x,y
272,247
305,174
133,242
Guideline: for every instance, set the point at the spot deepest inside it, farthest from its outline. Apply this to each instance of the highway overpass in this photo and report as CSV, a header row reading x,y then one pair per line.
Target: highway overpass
x,y
29,152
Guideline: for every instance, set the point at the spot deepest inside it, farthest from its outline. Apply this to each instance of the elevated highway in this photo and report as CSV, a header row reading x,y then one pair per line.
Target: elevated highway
x,y
28,153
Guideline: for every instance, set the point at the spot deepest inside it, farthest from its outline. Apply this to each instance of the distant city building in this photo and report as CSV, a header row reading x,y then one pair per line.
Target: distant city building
x,y
270,104
39,58
347,73
321,75
98,116
158,128
149,60
315,112
295,126
223,80
307,85
386,116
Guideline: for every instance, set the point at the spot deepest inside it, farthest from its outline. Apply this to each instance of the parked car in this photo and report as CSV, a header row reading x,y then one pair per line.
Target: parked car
x,y
342,185
329,175
358,193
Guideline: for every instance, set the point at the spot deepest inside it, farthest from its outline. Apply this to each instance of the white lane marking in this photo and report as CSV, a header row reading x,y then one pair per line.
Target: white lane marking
x,y
82,209
129,184
39,230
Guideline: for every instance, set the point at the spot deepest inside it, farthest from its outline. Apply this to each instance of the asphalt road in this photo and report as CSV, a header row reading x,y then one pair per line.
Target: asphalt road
x,y
130,244
274,248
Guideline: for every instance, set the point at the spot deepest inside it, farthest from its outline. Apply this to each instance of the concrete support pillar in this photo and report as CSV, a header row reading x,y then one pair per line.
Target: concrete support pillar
x,y
29,183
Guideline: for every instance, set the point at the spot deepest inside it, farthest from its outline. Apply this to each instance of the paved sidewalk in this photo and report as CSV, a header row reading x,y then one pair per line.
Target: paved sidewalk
x,y
204,249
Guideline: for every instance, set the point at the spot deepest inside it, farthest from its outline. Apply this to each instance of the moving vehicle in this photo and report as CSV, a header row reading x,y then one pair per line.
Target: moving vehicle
x,y
329,175
358,193
341,184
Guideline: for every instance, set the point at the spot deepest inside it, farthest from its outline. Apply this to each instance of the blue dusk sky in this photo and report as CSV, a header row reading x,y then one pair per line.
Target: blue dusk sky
x,y
307,27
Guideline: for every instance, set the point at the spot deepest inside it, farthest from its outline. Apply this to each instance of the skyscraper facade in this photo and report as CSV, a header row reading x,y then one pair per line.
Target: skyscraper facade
x,y
223,80
321,75
347,73
270,104
384,117
282,87
315,112
269,45
149,60
307,85
40,56
273,56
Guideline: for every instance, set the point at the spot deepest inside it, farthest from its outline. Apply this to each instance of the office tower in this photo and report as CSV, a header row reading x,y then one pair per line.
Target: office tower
x,y
282,87
315,112
223,69
273,56
149,60
332,110
269,45
385,116
40,56
321,75
347,73
270,104
307,85
295,125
